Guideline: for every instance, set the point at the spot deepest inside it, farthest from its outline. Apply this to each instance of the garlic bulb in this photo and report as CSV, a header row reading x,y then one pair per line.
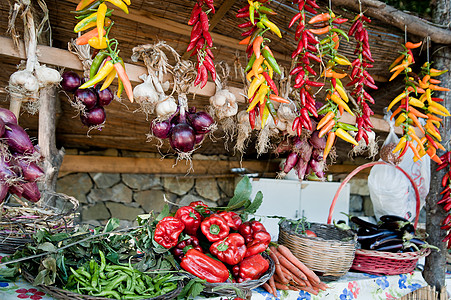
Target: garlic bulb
x,y
24,79
166,107
145,92
47,76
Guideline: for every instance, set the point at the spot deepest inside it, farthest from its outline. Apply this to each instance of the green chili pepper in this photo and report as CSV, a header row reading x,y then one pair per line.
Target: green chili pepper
x,y
90,18
250,63
347,127
271,60
78,277
101,74
252,14
114,283
261,25
341,32
90,8
108,294
95,65
271,109
266,10
83,272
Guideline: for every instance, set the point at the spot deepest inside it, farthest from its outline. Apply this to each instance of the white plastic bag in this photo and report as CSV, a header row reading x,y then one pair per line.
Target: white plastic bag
x,y
390,190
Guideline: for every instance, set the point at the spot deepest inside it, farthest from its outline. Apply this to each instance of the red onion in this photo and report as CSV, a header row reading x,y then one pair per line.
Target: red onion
x,y
199,138
317,142
284,146
301,168
30,170
201,122
3,191
71,81
16,190
86,96
290,162
303,148
2,128
95,116
17,139
6,170
105,96
182,138
31,191
317,154
160,129
318,168
7,116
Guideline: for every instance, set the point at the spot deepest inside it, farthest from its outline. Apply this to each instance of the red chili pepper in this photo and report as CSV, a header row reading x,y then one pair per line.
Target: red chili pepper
x,y
252,117
208,38
297,69
312,3
245,25
271,83
295,124
312,56
445,179
447,207
310,70
209,64
215,228
190,218
167,232
364,18
195,14
246,8
310,10
444,200
244,14
339,20
204,267
250,268
447,219
294,19
306,117
231,250
314,83
181,248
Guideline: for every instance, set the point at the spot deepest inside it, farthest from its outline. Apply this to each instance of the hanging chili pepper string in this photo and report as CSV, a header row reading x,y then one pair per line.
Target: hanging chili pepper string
x,y
361,78
446,195
201,42
262,64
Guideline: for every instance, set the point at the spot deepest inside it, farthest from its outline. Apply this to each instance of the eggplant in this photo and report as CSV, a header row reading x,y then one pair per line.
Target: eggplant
x,y
392,218
394,225
391,248
363,223
417,242
375,236
385,239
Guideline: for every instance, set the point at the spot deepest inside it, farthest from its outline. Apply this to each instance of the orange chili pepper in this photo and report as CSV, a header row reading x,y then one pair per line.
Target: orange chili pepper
x,y
84,39
341,109
325,120
434,117
336,40
436,159
415,121
397,60
329,143
438,88
397,111
431,151
278,99
395,74
415,152
319,18
124,78
256,45
417,113
410,45
319,31
245,41
434,81
326,128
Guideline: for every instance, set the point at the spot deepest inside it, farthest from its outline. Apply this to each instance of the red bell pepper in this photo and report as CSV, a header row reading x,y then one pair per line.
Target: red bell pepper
x,y
200,207
233,219
204,267
168,231
231,250
215,228
256,237
181,248
250,268
190,217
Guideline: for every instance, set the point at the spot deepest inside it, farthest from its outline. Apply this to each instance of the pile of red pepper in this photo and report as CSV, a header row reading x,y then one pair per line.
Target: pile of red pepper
x,y
215,246
201,42
107,64
361,78
446,195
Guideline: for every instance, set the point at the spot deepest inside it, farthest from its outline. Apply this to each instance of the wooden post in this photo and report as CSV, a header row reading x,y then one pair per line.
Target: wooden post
x,y
47,140
434,270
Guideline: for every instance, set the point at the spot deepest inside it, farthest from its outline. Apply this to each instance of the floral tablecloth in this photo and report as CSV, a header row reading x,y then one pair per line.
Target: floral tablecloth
x,y
351,286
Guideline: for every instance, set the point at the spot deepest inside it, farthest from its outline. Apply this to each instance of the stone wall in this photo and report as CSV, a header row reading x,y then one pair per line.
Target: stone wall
x,y
125,196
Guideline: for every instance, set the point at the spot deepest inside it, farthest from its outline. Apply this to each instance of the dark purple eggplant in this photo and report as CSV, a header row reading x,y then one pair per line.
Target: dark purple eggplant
x,y
417,242
386,240
391,248
377,235
363,223
392,218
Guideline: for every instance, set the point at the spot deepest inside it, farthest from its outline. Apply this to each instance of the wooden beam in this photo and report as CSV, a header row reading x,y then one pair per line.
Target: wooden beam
x,y
108,164
226,5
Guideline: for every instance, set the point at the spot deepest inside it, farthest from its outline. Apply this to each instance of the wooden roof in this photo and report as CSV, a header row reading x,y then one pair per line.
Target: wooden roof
x,y
152,21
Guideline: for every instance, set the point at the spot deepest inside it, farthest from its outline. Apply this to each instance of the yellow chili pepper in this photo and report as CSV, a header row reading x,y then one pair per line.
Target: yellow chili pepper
x,y
103,72
397,99
341,60
415,102
413,135
273,27
400,119
120,4
434,72
270,69
255,84
259,98
264,116
430,128
257,64
401,145
251,73
342,92
127,2
101,11
335,98
108,80
439,107
345,136
95,42
437,111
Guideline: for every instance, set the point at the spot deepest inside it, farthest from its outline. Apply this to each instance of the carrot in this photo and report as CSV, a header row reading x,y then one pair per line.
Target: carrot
x,y
267,288
310,290
280,286
272,284
292,268
293,259
276,262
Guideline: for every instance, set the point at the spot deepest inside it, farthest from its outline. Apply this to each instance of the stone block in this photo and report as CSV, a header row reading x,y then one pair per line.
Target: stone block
x,y
355,203
75,185
153,199
122,211
140,182
118,193
95,212
207,188
177,185
105,180
227,186
359,187
368,206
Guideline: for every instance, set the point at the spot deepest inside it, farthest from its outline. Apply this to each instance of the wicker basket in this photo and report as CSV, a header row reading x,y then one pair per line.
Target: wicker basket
x,y
379,262
330,255
227,289
17,227
58,293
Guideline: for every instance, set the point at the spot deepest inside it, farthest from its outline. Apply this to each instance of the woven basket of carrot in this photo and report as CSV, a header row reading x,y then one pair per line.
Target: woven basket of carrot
x,y
291,274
